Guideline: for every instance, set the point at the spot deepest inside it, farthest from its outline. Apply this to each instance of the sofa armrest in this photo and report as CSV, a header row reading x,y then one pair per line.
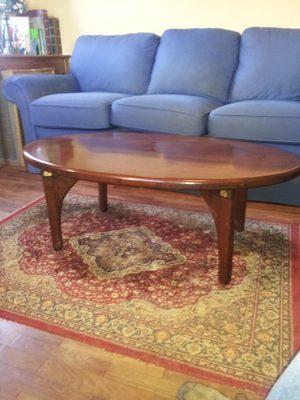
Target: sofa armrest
x,y
23,89
30,87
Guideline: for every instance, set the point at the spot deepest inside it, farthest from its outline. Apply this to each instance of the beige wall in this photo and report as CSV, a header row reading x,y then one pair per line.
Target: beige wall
x,y
123,16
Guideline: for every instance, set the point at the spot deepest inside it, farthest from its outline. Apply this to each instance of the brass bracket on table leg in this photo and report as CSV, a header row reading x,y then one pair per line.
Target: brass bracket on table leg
x,y
225,193
47,173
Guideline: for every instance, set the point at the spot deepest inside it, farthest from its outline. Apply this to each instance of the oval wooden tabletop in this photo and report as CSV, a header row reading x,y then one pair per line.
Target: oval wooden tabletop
x,y
163,161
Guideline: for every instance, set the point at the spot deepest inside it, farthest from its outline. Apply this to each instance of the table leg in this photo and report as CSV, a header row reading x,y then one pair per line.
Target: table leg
x,y
102,196
228,210
241,201
56,187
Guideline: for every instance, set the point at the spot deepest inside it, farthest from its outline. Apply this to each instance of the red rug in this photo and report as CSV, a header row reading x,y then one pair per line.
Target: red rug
x,y
142,281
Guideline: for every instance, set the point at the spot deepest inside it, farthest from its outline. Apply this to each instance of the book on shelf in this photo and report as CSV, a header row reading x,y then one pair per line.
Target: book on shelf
x,y
55,39
58,45
52,35
39,21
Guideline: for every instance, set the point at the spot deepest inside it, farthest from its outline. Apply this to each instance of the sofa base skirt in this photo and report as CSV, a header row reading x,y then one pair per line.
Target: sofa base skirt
x,y
287,193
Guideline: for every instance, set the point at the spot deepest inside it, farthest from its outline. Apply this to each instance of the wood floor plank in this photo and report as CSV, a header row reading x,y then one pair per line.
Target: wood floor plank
x,y
7,396
8,331
42,335
114,389
127,370
33,345
19,359
14,382
85,350
124,372
78,370
24,396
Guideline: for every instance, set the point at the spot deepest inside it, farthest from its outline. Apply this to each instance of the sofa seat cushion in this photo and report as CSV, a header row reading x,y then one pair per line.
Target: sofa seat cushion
x,y
196,62
117,63
257,120
74,110
269,67
185,115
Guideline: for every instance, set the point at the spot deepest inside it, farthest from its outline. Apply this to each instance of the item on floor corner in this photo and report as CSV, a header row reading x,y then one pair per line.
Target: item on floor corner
x,y
287,387
222,170
199,391
142,281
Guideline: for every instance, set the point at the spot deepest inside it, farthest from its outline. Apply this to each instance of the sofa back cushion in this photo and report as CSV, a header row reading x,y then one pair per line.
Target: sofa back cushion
x,y
120,63
269,66
198,62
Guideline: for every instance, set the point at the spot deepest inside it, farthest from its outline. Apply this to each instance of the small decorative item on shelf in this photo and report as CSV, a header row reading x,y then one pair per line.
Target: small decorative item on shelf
x,y
16,7
14,28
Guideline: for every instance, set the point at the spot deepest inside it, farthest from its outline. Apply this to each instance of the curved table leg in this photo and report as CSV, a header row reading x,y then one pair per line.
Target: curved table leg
x,y
102,196
56,188
228,210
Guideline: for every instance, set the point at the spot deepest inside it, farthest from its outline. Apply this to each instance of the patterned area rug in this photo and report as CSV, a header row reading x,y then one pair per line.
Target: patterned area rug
x,y
142,281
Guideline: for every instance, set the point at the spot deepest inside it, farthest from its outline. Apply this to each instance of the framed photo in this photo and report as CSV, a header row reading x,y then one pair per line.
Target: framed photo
x,y
14,35
18,29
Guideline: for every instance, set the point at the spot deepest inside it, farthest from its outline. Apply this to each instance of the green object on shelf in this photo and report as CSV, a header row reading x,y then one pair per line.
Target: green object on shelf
x,y
34,33
34,42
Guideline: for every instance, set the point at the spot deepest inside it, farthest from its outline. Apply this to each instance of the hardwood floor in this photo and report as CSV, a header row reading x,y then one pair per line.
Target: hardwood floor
x,y
35,365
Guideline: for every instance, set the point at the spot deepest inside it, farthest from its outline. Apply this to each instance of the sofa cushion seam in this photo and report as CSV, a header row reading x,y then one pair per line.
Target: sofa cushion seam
x,y
66,106
38,125
254,139
161,109
253,116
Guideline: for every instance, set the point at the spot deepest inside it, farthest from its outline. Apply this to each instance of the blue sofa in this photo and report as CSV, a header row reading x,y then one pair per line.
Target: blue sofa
x,y
190,82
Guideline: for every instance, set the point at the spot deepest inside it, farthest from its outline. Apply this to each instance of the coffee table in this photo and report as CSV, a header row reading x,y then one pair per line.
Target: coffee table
x,y
221,169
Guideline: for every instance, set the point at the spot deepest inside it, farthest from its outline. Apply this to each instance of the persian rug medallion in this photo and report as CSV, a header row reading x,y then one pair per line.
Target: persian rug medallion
x,y
128,250
142,281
